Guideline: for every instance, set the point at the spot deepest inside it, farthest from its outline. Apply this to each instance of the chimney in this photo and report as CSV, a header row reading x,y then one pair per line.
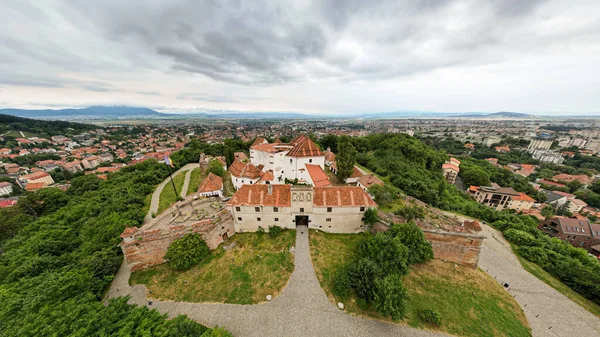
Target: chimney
x,y
269,189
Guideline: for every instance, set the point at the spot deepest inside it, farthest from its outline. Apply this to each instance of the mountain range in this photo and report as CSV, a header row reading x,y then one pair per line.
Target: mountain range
x,y
125,112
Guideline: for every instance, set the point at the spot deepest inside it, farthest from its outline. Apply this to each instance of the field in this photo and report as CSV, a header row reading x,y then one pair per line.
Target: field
x,y
258,266
555,283
470,302
168,196
195,180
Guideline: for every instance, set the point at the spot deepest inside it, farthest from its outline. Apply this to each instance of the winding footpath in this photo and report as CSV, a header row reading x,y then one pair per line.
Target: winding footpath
x,y
156,195
548,312
302,309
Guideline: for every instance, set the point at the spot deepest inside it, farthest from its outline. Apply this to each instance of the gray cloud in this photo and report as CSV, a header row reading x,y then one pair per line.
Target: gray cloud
x,y
145,47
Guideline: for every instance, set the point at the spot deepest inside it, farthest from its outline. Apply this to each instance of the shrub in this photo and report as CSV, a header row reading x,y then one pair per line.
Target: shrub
x,y
519,238
260,231
536,255
430,317
419,249
217,332
411,212
363,274
391,296
342,282
185,252
274,231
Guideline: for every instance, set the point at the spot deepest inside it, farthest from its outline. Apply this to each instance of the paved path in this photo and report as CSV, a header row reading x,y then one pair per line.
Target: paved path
x,y
302,309
544,307
186,184
156,195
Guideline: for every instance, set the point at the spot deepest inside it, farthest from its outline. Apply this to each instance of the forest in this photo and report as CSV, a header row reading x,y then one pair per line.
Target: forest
x,y
415,168
41,128
60,252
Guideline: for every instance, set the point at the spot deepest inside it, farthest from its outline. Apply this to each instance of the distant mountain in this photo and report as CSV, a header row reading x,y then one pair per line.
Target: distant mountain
x,y
502,114
93,112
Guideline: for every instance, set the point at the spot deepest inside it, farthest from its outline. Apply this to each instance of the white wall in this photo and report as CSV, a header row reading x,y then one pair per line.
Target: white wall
x,y
238,182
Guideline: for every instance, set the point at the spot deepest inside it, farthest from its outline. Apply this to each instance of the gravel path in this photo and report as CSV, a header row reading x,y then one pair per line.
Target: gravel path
x,y
186,184
156,195
302,309
549,312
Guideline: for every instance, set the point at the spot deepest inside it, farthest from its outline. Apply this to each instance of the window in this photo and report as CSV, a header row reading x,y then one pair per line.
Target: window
x,y
239,219
310,160
362,209
329,209
238,209
275,209
290,161
301,209
257,209
276,219
328,220
258,219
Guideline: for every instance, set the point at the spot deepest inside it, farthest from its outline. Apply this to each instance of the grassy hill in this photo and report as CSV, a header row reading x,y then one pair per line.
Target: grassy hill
x,y
12,126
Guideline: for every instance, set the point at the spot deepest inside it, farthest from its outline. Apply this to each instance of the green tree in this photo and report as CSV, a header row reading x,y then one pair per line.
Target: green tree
x,y
391,297
187,251
574,186
346,157
370,216
411,236
476,176
216,167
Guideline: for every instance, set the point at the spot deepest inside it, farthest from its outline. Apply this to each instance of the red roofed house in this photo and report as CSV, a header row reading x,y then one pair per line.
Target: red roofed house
x,y
577,232
335,209
287,160
451,170
365,182
567,178
211,185
37,177
7,203
520,202
502,149
317,176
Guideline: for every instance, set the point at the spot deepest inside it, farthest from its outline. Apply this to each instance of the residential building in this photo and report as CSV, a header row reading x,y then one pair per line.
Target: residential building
x,y
211,185
495,196
39,177
491,141
578,232
6,188
520,202
451,168
547,156
540,143
335,209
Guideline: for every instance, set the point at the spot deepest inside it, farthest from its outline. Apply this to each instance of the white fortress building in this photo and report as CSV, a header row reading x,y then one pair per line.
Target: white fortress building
x,y
334,209
299,159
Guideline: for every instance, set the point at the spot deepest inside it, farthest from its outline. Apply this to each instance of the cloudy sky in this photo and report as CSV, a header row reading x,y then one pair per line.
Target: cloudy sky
x,y
336,56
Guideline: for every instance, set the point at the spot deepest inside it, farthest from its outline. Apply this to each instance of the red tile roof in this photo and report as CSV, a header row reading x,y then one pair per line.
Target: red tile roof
x,y
448,166
258,141
210,183
34,186
317,175
341,196
247,170
35,175
257,195
7,203
523,197
369,180
304,147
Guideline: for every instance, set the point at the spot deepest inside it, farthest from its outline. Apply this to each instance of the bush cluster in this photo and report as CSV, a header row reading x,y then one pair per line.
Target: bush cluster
x,y
376,273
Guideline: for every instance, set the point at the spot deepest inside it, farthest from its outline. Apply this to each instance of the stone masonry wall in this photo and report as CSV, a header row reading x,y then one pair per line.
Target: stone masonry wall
x,y
463,249
143,249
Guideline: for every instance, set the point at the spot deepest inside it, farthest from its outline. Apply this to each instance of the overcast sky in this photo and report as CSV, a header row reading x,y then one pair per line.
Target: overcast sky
x,y
336,56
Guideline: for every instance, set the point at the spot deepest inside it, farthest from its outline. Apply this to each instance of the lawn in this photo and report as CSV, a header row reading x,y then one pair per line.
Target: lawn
x,y
555,283
195,180
470,302
258,266
168,196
